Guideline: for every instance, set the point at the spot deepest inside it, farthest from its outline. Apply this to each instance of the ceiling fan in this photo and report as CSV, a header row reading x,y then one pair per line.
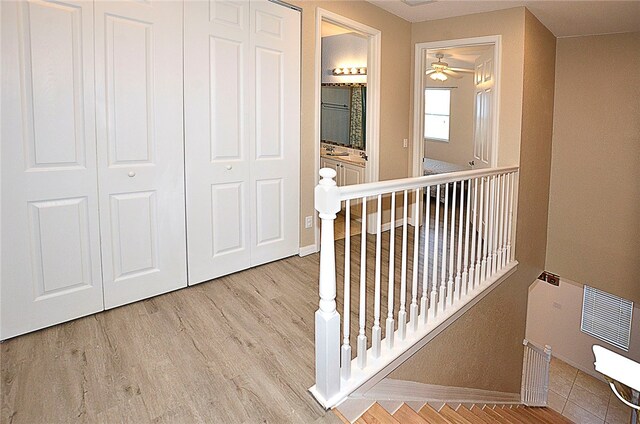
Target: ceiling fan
x,y
440,70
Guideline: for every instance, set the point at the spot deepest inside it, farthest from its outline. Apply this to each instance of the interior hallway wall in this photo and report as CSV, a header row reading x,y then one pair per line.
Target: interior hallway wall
x,y
594,208
483,349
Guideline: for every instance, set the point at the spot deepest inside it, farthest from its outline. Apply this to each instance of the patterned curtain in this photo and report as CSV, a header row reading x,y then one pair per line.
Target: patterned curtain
x,y
357,122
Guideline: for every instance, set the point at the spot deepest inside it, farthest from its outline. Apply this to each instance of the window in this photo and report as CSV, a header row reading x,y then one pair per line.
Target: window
x,y
437,109
607,317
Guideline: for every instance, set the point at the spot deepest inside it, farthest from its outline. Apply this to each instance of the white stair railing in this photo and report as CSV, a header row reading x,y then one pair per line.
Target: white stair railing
x,y
464,246
535,374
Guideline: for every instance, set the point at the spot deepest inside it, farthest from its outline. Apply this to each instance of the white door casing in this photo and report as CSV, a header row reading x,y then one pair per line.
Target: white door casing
x,y
242,123
50,229
140,148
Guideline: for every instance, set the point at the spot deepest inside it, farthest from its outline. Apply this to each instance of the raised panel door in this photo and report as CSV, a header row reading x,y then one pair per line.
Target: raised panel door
x,y
140,148
50,231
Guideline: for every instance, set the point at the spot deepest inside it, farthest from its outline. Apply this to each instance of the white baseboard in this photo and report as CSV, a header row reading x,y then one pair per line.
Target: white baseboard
x,y
387,225
307,250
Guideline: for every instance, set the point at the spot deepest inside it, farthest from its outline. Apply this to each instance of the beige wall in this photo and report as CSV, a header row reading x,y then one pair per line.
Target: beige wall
x,y
483,349
459,148
594,210
394,94
553,318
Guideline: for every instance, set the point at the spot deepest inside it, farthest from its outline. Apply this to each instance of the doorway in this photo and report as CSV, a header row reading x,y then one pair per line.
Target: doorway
x,y
347,91
456,99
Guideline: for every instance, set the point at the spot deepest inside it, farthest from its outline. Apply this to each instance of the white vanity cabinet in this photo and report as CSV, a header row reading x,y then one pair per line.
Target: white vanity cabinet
x,y
346,173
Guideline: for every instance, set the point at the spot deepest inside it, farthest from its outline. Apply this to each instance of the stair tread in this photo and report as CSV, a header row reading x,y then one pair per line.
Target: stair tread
x,y
432,416
497,417
376,414
506,411
554,416
479,412
453,416
406,415
470,416
534,416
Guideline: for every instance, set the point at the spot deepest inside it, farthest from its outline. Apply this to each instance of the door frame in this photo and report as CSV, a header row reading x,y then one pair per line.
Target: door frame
x,y
418,87
374,37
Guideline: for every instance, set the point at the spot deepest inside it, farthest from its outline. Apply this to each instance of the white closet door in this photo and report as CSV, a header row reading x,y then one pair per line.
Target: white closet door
x,y
140,148
217,150
242,122
275,131
50,235
484,82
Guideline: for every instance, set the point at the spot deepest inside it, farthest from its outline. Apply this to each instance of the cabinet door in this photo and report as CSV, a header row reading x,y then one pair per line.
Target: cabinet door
x,y
50,231
274,87
352,174
140,153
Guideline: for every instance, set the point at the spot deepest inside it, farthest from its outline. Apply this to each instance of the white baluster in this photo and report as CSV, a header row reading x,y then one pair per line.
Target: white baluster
x,y
434,280
505,219
501,221
452,248
514,180
327,319
485,214
402,314
362,336
346,316
376,331
458,280
490,217
467,228
496,225
424,301
416,245
389,334
445,234
474,228
481,227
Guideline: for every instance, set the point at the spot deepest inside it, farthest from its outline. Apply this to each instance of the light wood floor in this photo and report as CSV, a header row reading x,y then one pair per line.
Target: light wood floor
x,y
239,349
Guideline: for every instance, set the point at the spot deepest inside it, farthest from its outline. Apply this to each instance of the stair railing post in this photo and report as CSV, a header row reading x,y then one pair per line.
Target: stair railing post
x,y
327,203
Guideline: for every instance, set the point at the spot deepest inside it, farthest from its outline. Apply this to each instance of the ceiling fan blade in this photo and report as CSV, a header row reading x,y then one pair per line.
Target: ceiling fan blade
x,y
430,71
451,73
462,70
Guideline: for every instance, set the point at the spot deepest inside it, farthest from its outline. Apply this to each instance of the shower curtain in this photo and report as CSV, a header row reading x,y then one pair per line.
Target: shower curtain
x,y
357,123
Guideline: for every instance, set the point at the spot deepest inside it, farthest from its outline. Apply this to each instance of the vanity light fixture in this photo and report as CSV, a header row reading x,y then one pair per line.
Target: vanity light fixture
x,y
350,71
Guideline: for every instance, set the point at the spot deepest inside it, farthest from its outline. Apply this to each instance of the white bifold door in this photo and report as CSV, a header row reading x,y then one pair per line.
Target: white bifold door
x,y
242,134
140,148
92,158
50,225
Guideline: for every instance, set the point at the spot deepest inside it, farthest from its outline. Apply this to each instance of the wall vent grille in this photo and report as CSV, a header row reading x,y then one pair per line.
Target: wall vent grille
x,y
607,317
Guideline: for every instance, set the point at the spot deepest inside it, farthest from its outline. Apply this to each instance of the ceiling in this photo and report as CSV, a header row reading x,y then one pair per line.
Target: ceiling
x,y
459,57
562,18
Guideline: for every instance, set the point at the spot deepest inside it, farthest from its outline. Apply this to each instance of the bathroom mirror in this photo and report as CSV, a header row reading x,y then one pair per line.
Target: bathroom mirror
x,y
343,114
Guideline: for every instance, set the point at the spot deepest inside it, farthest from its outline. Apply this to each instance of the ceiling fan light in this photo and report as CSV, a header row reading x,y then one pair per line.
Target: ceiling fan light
x,y
438,76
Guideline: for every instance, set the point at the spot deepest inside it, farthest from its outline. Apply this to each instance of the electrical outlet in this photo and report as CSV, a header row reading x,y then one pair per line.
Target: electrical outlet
x,y
308,222
405,143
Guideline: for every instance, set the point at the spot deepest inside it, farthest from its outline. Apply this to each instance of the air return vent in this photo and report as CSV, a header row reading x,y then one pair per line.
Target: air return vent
x,y
607,317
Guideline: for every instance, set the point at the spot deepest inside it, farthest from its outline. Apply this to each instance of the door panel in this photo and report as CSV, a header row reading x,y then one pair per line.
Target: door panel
x,y
275,132
50,232
140,154
242,135
216,138
483,110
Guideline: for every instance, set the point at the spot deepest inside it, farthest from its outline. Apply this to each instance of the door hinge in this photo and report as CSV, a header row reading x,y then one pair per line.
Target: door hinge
x,y
550,278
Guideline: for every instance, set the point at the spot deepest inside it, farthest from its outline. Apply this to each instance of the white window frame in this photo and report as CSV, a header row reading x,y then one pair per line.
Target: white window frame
x,y
424,121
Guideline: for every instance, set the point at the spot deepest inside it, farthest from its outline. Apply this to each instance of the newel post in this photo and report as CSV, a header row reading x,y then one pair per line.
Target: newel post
x,y
327,203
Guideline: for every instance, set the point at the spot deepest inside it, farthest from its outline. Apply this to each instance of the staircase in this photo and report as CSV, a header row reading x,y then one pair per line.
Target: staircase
x,y
460,414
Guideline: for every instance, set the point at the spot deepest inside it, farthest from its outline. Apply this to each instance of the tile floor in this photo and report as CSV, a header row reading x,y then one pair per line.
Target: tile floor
x,y
583,398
